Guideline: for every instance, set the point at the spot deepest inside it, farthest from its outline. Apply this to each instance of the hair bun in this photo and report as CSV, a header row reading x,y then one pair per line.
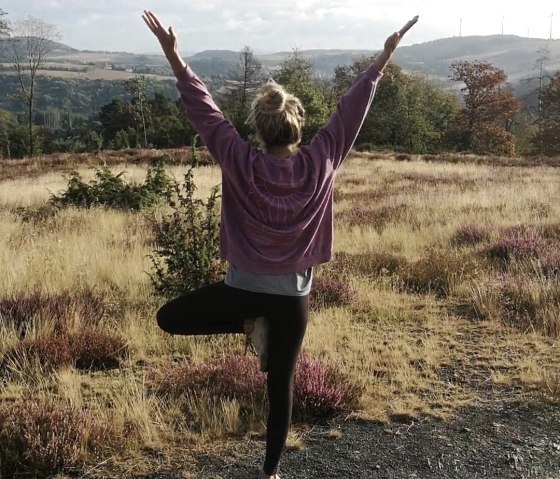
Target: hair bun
x,y
272,99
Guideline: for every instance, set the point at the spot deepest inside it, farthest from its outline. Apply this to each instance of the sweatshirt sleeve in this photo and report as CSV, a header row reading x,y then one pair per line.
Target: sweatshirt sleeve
x,y
334,141
217,133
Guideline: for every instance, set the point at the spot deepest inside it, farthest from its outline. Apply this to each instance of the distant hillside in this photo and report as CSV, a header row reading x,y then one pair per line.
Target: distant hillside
x,y
518,56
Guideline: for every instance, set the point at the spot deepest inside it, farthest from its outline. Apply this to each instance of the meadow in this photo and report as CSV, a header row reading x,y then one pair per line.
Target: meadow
x,y
444,290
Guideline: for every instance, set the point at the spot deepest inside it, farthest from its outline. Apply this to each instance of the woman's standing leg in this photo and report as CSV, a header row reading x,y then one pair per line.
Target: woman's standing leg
x,y
287,324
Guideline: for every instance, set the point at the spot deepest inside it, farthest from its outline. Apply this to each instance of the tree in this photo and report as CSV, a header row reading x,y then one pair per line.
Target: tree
x,y
546,141
7,124
137,88
484,124
4,28
238,101
30,45
408,113
297,77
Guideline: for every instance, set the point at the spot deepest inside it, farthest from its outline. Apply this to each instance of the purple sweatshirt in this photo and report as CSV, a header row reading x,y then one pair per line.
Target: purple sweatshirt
x,y
277,214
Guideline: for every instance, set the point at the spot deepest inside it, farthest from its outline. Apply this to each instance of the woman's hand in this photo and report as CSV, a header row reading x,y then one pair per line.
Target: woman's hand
x,y
167,40
391,43
394,39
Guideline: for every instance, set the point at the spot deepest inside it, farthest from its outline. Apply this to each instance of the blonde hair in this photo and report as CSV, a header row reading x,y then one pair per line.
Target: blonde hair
x,y
277,116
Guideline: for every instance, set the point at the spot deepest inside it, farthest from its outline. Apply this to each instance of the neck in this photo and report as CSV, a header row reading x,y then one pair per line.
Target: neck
x,y
281,152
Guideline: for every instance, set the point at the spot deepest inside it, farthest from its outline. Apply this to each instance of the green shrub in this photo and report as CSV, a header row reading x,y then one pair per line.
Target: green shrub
x,y
187,246
109,189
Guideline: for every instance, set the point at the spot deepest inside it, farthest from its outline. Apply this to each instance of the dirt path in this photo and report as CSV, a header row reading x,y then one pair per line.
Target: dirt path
x,y
500,440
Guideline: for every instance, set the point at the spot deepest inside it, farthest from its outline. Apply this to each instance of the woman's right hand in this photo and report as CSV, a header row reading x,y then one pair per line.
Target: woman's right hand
x,y
167,38
394,39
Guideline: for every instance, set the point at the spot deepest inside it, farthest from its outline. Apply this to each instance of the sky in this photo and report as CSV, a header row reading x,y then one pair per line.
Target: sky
x,y
271,26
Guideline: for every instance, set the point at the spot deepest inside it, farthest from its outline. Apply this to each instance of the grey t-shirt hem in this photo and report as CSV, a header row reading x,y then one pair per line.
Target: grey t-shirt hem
x,y
288,284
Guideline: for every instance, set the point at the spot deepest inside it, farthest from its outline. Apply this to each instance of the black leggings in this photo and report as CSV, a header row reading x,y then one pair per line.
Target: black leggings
x,y
218,309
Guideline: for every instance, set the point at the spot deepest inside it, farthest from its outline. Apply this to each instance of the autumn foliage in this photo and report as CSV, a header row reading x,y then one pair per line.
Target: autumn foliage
x,y
483,125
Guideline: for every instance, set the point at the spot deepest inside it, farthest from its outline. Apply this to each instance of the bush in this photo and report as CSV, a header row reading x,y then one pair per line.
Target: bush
x,y
438,272
22,308
49,353
94,350
470,235
367,264
187,246
110,190
40,437
322,390
326,293
517,243
89,350
233,377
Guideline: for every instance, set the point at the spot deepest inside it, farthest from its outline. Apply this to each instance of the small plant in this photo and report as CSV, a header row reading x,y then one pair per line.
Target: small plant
x,y
517,243
377,217
88,350
327,293
42,436
109,189
22,308
470,235
438,272
367,264
187,248
233,377
322,390
95,350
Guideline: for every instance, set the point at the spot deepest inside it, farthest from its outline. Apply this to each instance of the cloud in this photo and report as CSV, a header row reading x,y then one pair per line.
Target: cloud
x,y
277,24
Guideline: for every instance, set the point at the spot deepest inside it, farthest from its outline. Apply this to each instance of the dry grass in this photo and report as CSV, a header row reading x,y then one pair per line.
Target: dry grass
x,y
435,317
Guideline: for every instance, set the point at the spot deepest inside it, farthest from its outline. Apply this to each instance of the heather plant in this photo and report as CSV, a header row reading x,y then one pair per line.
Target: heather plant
x,y
439,271
531,304
528,302
23,309
470,235
110,190
186,252
47,353
97,350
370,265
377,217
322,390
40,437
517,242
88,350
233,377
328,293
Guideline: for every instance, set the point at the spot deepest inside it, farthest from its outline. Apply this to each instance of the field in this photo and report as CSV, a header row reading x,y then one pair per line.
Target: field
x,y
444,290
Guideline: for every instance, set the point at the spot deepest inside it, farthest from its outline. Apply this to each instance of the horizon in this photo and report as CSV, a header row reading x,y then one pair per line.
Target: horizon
x,y
275,52
276,26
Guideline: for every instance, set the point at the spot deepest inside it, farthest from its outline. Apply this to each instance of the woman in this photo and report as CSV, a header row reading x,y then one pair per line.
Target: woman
x,y
276,222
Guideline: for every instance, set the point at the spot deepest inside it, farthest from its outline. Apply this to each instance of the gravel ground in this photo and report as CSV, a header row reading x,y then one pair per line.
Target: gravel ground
x,y
498,440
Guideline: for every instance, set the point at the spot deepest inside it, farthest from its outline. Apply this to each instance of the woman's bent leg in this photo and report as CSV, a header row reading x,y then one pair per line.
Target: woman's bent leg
x,y
213,309
286,331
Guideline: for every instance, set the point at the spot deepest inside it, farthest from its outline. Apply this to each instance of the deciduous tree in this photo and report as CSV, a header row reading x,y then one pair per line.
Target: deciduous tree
x,y
483,125
4,29
137,88
297,76
546,141
31,42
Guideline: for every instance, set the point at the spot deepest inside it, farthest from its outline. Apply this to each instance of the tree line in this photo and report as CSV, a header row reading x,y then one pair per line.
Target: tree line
x,y
409,113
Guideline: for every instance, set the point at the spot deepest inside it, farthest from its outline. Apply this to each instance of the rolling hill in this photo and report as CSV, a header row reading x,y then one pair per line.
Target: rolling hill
x,y
518,57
